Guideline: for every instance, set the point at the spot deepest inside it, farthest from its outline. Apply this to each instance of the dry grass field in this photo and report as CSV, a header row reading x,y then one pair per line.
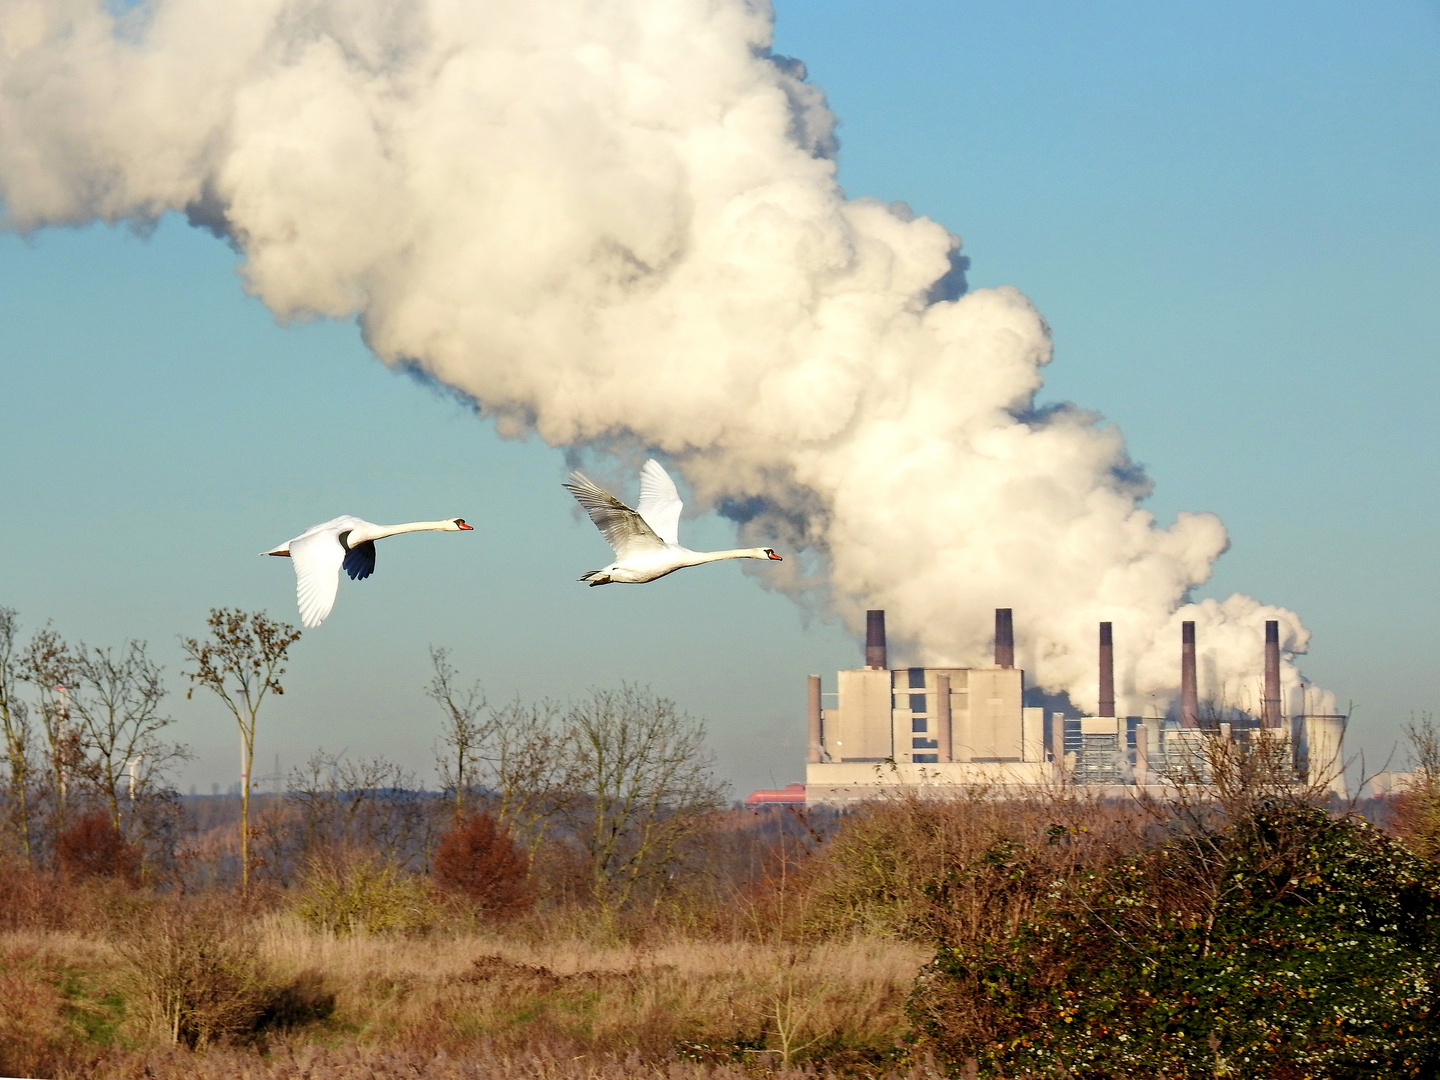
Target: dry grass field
x,y
529,1000
774,959
716,998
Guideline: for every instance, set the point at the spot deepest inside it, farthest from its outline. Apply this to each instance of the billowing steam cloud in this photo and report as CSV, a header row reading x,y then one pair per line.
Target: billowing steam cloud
x,y
618,223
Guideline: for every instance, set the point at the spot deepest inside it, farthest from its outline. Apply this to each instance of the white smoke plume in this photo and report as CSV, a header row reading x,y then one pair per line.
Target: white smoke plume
x,y
617,222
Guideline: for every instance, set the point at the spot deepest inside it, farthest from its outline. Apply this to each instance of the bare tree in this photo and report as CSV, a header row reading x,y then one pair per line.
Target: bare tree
x,y
116,701
1424,739
1415,811
49,665
371,803
240,662
644,783
1248,767
530,766
15,718
518,754
467,725
628,777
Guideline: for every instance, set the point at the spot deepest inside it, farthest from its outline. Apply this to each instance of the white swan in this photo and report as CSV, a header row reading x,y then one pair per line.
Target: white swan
x,y
321,551
646,540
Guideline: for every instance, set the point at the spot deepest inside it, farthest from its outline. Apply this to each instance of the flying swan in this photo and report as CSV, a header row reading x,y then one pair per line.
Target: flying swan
x,y
646,540
321,551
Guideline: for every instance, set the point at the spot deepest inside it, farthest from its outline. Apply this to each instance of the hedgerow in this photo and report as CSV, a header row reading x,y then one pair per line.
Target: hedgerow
x,y
1282,942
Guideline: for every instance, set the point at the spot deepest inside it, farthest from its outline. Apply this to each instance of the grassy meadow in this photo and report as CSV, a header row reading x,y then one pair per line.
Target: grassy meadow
x,y
101,978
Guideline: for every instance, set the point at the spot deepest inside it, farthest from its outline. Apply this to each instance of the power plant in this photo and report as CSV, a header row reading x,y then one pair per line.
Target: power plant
x,y
930,729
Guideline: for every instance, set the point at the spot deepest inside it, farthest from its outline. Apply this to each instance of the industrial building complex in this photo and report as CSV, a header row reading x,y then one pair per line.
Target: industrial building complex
x,y
937,729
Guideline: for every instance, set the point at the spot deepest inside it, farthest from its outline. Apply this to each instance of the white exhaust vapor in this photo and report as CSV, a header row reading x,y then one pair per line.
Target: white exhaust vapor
x,y
618,223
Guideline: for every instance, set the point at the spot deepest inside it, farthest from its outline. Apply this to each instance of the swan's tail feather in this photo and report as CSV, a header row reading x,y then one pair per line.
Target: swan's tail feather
x,y
595,577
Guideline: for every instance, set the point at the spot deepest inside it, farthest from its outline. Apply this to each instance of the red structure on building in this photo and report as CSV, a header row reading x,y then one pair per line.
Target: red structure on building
x,y
793,793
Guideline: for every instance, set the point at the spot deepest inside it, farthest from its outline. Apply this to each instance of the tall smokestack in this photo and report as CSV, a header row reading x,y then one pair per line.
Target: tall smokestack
x,y
1189,695
1057,743
812,711
1271,716
1107,672
875,640
944,730
1004,638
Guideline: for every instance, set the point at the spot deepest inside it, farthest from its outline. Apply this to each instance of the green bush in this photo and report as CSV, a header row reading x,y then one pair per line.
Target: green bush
x,y
365,894
1283,943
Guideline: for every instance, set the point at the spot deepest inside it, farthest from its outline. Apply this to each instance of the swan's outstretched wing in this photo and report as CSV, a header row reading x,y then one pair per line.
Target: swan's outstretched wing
x,y
624,530
318,555
660,503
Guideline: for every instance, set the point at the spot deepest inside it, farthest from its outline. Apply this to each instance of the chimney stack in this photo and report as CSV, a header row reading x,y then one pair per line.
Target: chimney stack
x,y
812,711
1271,717
1004,638
1107,672
875,640
1189,695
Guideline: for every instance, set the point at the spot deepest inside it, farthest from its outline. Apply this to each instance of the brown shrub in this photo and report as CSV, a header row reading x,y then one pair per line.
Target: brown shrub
x,y
38,900
29,899
195,971
33,1031
479,860
889,864
93,847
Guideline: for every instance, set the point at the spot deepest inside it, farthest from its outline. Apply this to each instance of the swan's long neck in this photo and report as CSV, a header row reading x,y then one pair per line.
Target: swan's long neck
x,y
379,532
698,557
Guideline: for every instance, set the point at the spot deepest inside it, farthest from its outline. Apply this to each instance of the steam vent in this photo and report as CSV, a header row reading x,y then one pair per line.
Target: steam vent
x,y
931,729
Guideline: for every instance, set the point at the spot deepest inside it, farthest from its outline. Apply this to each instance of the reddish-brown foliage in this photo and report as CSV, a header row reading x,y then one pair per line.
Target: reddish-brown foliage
x,y
93,847
33,1032
479,860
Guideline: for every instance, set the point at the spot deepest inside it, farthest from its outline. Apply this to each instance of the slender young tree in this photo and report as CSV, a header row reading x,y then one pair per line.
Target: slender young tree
x,y
240,662
48,664
15,718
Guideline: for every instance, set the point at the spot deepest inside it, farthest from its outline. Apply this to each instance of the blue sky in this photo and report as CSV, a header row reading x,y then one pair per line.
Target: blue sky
x,y
1227,215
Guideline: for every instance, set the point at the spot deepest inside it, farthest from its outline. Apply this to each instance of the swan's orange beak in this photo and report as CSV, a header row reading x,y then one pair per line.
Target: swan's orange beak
x,y
464,527
776,557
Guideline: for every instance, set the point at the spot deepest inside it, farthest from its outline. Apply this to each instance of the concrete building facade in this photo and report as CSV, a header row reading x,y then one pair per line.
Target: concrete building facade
x,y
901,727
934,729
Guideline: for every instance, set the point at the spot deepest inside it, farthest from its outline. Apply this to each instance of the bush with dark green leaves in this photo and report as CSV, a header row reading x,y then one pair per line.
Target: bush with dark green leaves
x,y
1281,942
